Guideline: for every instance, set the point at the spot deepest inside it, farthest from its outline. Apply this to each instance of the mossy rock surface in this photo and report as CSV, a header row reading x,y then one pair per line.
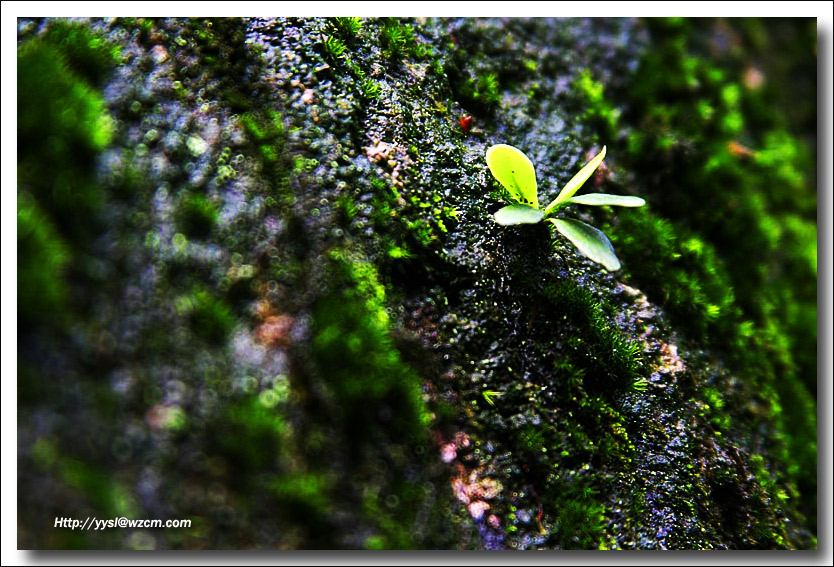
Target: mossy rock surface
x,y
260,287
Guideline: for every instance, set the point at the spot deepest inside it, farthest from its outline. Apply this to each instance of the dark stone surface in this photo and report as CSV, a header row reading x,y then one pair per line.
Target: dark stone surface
x,y
277,305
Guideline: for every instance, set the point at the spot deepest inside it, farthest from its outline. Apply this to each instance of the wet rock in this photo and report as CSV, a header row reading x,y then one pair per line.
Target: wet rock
x,y
295,322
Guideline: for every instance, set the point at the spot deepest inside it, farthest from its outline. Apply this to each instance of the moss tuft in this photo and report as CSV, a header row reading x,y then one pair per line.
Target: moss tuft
x,y
594,108
42,259
88,55
61,128
196,216
355,353
397,39
211,318
679,271
347,28
610,364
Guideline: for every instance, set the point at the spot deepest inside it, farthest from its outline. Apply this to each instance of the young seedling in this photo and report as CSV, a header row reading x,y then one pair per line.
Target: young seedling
x,y
515,172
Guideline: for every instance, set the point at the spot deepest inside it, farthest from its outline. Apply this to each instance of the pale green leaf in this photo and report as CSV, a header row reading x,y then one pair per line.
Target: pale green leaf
x,y
600,199
578,180
589,241
514,170
518,214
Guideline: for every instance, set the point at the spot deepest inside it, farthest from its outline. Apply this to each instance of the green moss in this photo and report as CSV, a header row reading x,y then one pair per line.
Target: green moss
x,y
608,361
266,132
92,485
571,423
105,493
42,259
346,207
481,93
337,49
250,437
377,397
486,90
267,464
196,216
397,39
716,411
333,49
145,28
88,55
736,265
369,88
678,271
586,434
309,496
352,344
346,28
685,275
211,318
730,197
579,515
61,128
593,108
410,219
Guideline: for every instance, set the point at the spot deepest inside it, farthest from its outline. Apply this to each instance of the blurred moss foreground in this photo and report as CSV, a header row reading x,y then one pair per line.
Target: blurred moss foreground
x,y
260,288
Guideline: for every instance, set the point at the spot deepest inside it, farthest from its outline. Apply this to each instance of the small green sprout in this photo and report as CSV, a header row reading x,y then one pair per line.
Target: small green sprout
x,y
333,48
489,395
515,172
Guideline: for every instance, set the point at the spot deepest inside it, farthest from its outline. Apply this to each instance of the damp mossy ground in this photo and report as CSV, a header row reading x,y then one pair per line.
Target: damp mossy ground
x,y
738,273
309,333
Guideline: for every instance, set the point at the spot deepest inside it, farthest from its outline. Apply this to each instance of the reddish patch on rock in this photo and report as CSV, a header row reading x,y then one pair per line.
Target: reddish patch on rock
x,y
275,331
